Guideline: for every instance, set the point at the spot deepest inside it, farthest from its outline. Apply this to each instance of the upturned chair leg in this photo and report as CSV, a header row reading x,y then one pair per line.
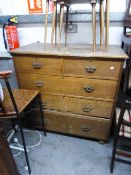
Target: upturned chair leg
x,y
94,25
116,137
61,22
53,26
42,115
107,24
56,19
67,17
46,20
24,144
101,24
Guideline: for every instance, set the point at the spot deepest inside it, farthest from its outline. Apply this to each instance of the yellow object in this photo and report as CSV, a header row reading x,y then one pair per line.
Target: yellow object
x,y
13,19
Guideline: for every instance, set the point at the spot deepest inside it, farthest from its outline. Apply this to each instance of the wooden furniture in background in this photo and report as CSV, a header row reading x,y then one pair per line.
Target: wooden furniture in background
x,y
7,163
123,103
67,4
79,87
14,103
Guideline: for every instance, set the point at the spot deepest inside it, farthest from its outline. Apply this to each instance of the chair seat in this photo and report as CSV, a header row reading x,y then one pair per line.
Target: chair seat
x,y
22,98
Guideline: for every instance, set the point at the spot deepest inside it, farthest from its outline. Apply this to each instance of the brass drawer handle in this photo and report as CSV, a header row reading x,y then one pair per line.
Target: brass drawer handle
x,y
85,128
90,69
86,109
39,83
36,65
89,89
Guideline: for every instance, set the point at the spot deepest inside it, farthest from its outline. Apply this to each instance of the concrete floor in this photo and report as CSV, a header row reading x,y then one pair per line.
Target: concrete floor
x,y
63,155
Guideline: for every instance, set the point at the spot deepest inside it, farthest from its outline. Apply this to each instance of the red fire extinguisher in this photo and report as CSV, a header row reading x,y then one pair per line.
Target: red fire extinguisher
x,y
10,34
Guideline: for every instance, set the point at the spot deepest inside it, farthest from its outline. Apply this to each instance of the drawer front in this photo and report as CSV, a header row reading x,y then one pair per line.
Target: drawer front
x,y
53,121
92,68
80,87
77,106
90,127
38,65
77,125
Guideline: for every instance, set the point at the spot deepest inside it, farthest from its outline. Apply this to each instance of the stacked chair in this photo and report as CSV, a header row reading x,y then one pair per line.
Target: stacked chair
x,y
123,126
104,26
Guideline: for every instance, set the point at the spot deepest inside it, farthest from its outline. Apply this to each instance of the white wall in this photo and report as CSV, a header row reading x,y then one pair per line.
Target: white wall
x,y
19,7
32,34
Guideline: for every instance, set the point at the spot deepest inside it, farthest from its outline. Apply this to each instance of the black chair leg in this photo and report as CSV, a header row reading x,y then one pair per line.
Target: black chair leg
x,y
116,137
13,125
42,115
24,144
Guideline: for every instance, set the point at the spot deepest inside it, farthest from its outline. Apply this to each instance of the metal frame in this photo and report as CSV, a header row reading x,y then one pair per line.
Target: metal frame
x,y
18,116
121,121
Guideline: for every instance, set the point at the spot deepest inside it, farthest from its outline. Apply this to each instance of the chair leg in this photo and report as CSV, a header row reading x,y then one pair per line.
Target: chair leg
x,y
53,26
116,137
13,125
107,25
61,22
101,24
42,115
67,18
94,26
24,144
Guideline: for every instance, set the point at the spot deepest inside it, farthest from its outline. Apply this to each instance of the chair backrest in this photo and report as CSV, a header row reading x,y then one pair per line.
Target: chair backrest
x,y
127,19
127,47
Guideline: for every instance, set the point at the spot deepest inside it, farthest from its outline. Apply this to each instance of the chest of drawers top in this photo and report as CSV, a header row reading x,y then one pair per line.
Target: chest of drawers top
x,y
76,51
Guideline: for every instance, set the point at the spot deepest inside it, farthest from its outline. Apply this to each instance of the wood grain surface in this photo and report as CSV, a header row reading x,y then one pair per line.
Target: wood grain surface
x,y
71,50
69,86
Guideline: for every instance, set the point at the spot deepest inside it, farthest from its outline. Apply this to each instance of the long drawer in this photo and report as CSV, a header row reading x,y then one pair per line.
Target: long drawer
x,y
81,87
80,125
39,65
77,105
92,68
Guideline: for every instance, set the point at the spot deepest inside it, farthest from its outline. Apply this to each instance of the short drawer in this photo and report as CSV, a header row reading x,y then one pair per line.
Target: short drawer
x,y
92,68
77,105
38,65
69,86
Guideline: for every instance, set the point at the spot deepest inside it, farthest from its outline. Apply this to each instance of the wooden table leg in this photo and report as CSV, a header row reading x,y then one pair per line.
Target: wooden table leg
x,y
94,26
107,24
61,22
67,18
101,24
53,25
46,20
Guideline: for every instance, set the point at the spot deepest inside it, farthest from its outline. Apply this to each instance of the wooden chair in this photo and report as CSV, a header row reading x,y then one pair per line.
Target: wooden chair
x,y
14,103
67,3
124,103
62,4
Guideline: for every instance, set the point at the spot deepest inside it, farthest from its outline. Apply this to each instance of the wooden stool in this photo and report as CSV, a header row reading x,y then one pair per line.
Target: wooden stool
x,y
66,3
54,21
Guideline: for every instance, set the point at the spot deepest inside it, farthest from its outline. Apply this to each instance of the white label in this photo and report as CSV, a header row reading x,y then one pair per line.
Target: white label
x,y
32,5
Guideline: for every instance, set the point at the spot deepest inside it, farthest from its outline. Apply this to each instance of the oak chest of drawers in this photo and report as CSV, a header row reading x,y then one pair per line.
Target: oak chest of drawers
x,y
78,87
